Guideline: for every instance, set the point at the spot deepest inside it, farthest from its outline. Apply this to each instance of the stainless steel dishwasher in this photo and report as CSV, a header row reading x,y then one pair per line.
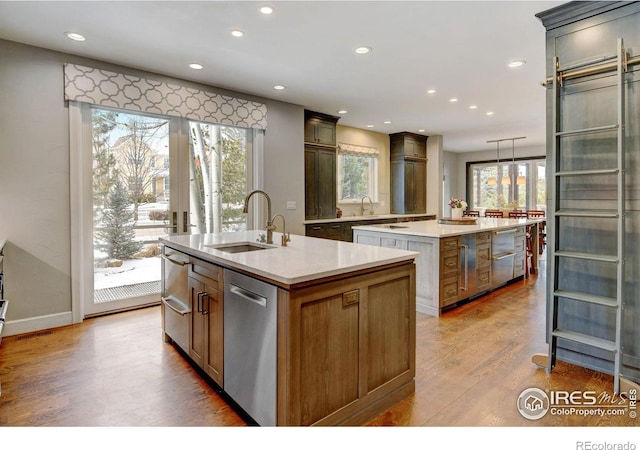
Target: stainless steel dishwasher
x,y
250,345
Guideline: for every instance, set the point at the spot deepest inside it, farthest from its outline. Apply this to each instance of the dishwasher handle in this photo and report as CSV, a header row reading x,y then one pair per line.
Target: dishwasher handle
x,y
503,256
176,305
498,233
248,295
174,261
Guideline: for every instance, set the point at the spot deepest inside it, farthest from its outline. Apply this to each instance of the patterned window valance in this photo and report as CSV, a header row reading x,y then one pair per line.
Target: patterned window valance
x,y
357,150
104,88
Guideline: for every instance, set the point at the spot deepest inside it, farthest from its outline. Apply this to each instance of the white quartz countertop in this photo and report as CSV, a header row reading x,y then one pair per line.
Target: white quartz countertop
x,y
372,217
303,259
431,228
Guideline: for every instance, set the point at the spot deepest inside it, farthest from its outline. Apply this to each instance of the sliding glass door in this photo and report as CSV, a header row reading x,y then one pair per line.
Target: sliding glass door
x,y
155,176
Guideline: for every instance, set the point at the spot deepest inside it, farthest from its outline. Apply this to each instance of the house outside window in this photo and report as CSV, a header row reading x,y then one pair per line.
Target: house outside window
x,y
520,185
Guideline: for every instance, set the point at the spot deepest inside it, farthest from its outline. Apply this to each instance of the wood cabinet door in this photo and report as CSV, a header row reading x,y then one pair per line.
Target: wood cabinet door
x,y
326,183
420,187
198,323
214,316
310,183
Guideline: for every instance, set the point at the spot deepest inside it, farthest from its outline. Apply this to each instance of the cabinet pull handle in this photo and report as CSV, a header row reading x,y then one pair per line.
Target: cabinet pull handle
x,y
205,301
466,266
450,264
200,301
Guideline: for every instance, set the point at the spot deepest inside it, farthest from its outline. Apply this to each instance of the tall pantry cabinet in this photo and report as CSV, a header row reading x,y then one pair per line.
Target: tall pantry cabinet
x,y
593,192
320,165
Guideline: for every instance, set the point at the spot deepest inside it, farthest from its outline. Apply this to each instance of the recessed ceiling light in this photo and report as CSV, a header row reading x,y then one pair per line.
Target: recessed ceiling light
x,y
195,66
421,130
369,126
516,63
473,107
75,36
387,122
489,113
342,111
453,100
431,91
279,87
237,33
363,50
266,10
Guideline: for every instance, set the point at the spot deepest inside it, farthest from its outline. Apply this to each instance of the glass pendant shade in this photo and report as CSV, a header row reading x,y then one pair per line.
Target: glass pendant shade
x,y
506,180
521,180
491,181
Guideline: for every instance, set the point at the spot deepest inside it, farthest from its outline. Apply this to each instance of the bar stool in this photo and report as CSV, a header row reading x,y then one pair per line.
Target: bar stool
x,y
517,214
493,213
471,213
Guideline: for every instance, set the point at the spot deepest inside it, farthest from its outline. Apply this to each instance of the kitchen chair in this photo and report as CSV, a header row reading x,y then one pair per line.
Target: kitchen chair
x,y
536,213
517,214
471,213
493,213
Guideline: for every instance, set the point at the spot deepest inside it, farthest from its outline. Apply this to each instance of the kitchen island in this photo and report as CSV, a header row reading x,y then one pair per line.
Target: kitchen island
x,y
460,262
343,330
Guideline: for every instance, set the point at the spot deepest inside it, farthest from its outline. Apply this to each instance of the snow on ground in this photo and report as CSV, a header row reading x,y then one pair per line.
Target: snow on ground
x,y
132,271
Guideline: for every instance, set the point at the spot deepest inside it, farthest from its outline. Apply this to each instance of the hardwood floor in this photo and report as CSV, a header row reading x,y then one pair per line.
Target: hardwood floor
x,y
472,364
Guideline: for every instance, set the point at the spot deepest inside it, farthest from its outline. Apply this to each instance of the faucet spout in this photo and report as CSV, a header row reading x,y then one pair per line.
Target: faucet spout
x,y
270,226
362,205
285,236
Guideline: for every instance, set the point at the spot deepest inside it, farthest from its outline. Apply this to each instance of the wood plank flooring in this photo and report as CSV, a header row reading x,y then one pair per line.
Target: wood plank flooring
x,y
472,364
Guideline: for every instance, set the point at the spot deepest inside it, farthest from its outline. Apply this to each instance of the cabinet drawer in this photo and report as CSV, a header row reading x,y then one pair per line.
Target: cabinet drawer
x,y
519,244
520,231
483,279
326,230
519,266
450,243
483,255
207,273
450,264
482,238
449,291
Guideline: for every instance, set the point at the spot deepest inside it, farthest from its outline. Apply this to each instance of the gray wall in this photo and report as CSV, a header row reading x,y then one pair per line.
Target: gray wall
x,y
34,178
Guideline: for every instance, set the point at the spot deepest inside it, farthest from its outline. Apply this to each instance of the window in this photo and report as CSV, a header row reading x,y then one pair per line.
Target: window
x,y
521,185
357,173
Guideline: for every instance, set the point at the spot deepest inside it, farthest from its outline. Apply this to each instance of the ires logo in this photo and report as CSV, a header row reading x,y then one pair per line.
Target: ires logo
x,y
534,403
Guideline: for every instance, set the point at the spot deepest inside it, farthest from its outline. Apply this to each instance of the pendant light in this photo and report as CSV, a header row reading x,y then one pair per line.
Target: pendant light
x,y
521,178
507,179
492,181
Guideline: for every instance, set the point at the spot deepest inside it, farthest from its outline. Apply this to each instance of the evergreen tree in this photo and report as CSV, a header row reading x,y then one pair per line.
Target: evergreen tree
x,y
118,232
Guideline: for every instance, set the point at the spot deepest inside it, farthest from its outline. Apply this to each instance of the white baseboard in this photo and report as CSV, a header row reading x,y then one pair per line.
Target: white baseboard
x,y
22,326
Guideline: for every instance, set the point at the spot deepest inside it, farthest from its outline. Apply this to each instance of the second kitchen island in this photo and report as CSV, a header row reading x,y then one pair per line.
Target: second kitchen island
x,y
316,332
459,262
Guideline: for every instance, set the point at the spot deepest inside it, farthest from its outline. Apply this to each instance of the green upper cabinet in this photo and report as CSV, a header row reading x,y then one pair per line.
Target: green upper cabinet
x,y
319,128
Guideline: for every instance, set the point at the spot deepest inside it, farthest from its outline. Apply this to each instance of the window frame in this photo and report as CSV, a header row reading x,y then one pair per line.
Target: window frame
x,y
531,187
369,153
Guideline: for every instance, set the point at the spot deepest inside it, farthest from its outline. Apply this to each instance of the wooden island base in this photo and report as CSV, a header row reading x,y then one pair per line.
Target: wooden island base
x,y
346,347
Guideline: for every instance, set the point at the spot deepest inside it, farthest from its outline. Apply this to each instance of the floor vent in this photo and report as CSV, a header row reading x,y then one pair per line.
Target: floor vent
x,y
122,292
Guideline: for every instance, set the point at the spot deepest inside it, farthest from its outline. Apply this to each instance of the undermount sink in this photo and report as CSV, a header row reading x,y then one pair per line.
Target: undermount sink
x,y
239,247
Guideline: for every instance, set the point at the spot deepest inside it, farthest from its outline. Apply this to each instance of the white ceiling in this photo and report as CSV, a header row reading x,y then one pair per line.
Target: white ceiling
x,y
459,48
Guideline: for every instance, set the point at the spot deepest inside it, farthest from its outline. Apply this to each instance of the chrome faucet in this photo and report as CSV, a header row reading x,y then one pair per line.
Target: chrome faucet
x,y
270,226
362,205
285,236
